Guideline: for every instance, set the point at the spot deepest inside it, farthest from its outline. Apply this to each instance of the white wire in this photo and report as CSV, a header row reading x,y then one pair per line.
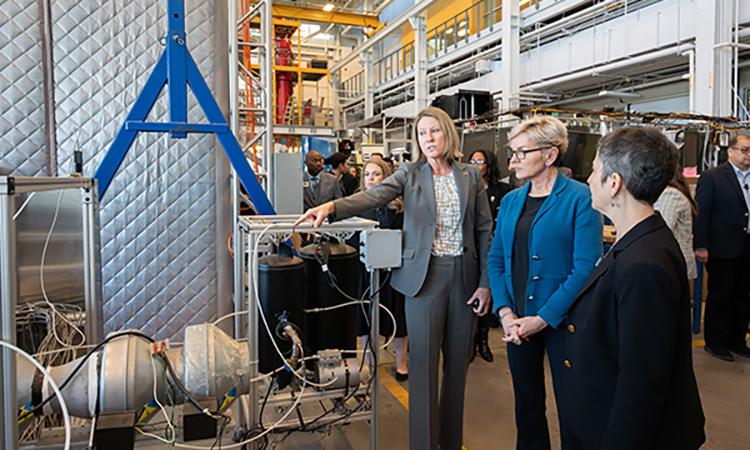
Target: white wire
x,y
363,302
60,350
23,206
60,399
163,410
44,291
227,316
254,270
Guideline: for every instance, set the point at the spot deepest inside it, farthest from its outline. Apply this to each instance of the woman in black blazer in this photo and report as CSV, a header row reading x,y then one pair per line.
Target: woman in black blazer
x,y
628,354
496,190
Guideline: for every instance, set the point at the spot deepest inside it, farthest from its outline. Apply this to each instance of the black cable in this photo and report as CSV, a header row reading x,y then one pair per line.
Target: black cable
x,y
220,432
178,384
80,365
265,400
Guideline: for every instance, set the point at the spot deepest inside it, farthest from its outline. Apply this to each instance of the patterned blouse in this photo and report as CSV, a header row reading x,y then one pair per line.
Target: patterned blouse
x,y
675,208
448,233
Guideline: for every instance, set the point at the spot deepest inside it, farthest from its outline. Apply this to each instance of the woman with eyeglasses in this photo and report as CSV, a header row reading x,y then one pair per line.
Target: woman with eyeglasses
x,y
546,242
496,190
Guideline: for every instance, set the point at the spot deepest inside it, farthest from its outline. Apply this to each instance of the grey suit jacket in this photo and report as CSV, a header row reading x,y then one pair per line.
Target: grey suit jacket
x,y
328,189
414,182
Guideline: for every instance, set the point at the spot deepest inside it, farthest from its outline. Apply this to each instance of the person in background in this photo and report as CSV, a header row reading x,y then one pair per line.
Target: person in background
x,y
677,207
340,169
447,227
390,216
318,186
355,172
722,241
628,361
485,162
546,242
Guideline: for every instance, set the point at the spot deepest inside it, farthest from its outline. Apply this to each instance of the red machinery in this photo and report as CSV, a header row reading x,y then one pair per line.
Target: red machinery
x,y
284,83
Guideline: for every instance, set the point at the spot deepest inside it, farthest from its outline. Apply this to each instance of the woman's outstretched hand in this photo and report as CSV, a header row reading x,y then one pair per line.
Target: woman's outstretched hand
x,y
316,215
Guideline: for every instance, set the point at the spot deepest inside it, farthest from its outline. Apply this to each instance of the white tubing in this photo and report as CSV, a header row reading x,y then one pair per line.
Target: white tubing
x,y
51,381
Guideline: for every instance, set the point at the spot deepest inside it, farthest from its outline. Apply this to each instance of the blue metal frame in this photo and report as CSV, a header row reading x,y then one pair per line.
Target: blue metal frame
x,y
177,69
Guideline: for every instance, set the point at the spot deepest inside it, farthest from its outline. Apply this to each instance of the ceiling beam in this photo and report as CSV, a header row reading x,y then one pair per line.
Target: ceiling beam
x,y
318,15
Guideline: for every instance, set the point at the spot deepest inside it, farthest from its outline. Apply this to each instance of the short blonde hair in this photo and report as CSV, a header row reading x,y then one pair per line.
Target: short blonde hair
x,y
452,152
544,131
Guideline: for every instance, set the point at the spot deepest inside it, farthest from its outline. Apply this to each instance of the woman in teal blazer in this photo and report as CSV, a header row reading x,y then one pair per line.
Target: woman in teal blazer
x,y
546,243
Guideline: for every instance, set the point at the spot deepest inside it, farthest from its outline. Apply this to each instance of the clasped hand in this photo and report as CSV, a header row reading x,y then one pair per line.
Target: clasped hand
x,y
517,330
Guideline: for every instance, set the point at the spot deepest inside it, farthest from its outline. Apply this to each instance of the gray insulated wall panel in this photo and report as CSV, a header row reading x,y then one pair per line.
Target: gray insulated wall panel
x,y
157,218
22,149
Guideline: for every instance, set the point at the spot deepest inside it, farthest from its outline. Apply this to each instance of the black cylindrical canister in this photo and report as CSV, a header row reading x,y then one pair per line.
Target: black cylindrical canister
x,y
335,329
281,288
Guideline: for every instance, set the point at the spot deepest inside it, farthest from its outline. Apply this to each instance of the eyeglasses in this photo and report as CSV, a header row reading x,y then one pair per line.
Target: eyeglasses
x,y
477,162
743,150
521,152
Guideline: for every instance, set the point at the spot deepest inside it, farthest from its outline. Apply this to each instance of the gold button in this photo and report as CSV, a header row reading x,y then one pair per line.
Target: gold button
x,y
571,328
567,364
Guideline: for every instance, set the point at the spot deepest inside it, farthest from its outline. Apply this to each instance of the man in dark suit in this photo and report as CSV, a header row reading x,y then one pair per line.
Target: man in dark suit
x,y
629,380
722,241
318,187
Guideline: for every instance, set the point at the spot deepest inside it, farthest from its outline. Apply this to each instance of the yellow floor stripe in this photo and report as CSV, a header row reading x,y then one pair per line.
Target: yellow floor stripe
x,y
701,342
397,391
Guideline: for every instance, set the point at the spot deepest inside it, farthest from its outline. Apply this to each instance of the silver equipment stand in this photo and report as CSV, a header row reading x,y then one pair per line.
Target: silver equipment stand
x,y
9,188
276,229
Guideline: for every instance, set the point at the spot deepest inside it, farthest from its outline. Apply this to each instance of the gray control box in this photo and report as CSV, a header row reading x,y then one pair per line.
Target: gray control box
x,y
380,249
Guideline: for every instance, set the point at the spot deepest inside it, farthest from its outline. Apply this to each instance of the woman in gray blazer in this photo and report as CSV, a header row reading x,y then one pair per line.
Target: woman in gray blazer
x,y
446,235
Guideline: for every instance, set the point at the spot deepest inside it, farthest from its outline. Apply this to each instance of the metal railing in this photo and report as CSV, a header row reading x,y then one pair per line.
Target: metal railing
x,y
477,18
354,86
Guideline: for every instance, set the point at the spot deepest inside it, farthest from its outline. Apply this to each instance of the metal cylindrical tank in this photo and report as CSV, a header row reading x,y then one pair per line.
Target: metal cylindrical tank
x,y
284,84
334,329
281,287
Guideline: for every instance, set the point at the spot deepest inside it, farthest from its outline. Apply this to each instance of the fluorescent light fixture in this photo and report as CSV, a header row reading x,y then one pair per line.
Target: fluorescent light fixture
x,y
328,7
449,31
606,93
462,32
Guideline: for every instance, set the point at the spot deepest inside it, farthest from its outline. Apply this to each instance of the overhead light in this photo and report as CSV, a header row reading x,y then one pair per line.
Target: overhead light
x,y
606,93
462,32
449,31
328,7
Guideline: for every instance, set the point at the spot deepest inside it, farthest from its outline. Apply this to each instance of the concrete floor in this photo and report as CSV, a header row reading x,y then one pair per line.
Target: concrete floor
x,y
489,422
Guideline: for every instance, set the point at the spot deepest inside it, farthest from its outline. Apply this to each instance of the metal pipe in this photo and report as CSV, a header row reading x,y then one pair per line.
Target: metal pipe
x,y
254,12
91,280
626,62
267,77
736,57
375,341
239,299
691,80
598,95
238,273
252,336
8,295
